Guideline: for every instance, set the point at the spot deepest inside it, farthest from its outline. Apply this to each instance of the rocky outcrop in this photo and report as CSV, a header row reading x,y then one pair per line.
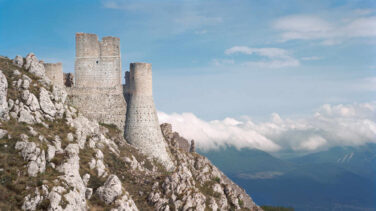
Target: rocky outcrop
x,y
67,162
34,66
3,97
110,190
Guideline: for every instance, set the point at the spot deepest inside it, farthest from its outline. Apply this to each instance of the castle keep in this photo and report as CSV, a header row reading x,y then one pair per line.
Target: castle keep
x,y
96,90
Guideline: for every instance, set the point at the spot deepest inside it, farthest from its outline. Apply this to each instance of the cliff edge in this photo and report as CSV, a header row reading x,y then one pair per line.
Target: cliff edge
x,y
52,157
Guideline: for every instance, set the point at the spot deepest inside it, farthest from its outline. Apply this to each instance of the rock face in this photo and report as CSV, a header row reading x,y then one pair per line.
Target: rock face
x,y
46,103
110,190
3,97
52,157
34,66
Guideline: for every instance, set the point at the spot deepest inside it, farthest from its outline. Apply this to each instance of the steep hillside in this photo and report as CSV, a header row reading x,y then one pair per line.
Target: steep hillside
x,y
54,158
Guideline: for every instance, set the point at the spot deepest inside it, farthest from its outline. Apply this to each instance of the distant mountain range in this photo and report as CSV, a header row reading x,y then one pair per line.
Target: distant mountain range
x,y
341,178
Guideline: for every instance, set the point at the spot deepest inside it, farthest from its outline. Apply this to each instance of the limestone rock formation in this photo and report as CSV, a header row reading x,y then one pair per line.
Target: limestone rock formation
x,y
3,97
52,157
34,66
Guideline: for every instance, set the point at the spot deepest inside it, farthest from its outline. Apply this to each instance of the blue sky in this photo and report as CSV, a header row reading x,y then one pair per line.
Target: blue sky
x,y
217,59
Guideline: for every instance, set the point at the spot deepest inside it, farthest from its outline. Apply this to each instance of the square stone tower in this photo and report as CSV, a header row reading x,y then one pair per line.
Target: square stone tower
x,y
97,91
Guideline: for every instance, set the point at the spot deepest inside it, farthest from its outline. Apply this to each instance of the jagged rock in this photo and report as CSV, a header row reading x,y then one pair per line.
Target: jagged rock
x,y
192,148
88,193
31,203
4,111
86,179
10,104
32,168
25,95
26,116
46,103
125,203
212,204
34,66
70,137
3,133
30,152
101,168
50,152
18,60
26,84
76,199
32,102
16,73
110,190
59,94
32,131
54,198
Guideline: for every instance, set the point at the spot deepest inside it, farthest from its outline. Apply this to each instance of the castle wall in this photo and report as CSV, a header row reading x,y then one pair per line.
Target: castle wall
x,y
106,105
142,126
55,73
98,63
97,90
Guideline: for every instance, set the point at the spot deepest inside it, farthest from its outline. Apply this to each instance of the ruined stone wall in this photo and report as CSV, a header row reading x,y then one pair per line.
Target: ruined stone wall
x,y
98,63
106,105
97,90
142,126
54,71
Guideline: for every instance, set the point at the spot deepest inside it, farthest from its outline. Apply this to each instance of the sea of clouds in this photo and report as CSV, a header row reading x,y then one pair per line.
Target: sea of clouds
x,y
330,125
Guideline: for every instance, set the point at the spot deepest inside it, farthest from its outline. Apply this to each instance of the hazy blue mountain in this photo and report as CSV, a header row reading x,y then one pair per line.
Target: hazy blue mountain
x,y
342,178
359,160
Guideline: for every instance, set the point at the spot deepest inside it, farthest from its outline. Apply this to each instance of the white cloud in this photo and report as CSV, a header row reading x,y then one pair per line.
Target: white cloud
x,y
305,27
338,125
311,58
273,57
221,62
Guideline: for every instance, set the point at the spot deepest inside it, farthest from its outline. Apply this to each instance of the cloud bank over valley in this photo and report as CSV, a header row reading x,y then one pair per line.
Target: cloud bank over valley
x,y
330,125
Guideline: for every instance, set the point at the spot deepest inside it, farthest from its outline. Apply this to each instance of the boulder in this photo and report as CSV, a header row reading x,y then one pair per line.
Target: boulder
x,y
46,103
110,190
34,66
18,61
3,133
26,116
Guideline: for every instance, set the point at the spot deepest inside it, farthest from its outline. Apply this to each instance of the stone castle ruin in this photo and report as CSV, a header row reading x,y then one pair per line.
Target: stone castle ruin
x,y
96,90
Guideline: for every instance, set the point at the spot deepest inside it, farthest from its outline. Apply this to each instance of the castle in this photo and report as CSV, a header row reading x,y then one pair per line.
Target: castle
x,y
96,90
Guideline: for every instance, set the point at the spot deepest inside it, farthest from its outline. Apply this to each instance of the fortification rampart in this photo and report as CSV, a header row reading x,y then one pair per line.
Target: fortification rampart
x,y
54,71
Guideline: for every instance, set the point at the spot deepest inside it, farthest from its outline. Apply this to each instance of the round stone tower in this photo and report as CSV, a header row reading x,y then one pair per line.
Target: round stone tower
x,y
54,71
142,126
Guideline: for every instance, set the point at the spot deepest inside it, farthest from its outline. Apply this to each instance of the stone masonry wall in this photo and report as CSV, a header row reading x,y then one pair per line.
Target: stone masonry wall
x,y
98,63
97,90
142,126
106,105
55,73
